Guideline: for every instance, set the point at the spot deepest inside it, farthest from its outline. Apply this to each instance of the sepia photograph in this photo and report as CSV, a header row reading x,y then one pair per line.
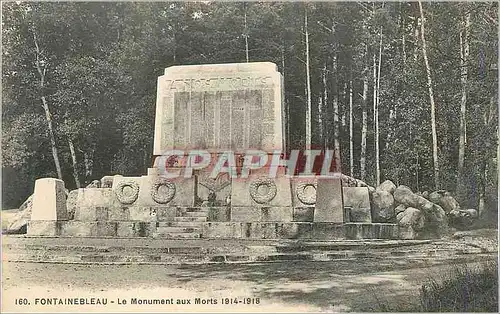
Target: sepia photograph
x,y
249,156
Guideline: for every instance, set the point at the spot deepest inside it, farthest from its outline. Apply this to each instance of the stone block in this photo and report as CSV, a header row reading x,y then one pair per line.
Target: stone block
x,y
86,214
329,203
146,214
219,214
119,213
304,214
357,214
43,228
260,190
282,214
144,229
357,204
355,231
107,181
153,171
304,192
356,197
245,214
101,213
260,230
327,231
105,229
125,229
183,191
78,229
406,233
89,199
166,213
49,200
71,203
295,230
126,190
224,230
189,91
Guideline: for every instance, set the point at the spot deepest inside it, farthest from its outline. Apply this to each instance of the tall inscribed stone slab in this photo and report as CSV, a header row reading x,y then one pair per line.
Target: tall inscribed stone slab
x,y
216,107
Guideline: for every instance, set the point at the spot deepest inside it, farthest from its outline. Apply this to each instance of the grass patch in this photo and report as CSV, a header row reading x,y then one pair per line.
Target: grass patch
x,y
463,288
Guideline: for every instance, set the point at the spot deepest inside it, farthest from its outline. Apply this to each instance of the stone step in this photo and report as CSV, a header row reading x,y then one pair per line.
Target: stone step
x,y
177,235
185,219
183,224
196,258
196,214
197,209
178,229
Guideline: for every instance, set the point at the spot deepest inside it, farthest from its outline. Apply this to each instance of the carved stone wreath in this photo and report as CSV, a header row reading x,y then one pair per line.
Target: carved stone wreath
x,y
257,196
308,199
127,199
164,197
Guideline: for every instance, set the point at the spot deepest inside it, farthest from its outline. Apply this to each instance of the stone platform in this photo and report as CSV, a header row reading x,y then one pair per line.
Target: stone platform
x,y
201,251
197,227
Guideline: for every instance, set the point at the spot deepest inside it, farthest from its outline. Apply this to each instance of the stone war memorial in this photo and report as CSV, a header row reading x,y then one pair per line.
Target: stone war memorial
x,y
221,112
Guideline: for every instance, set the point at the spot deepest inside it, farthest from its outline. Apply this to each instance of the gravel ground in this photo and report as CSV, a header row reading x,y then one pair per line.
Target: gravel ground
x,y
281,287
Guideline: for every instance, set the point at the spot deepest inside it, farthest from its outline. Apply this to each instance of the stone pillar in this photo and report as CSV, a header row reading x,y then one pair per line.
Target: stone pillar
x,y
329,202
49,206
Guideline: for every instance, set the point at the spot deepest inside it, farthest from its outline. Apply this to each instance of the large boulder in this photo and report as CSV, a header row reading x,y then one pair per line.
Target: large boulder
x,y
445,200
448,203
18,223
434,213
94,184
404,195
382,205
399,209
387,186
411,217
348,181
436,196
463,219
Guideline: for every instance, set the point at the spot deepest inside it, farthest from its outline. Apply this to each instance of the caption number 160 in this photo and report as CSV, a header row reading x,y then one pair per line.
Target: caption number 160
x,y
22,301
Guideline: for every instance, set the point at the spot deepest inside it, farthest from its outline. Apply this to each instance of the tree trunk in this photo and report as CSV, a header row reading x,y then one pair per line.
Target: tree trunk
x,y
287,106
246,33
364,127
88,158
308,85
375,142
351,143
416,39
336,129
74,162
431,97
320,119
377,134
464,57
42,69
325,104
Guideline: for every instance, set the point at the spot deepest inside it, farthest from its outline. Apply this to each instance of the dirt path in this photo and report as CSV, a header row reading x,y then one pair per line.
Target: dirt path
x,y
281,287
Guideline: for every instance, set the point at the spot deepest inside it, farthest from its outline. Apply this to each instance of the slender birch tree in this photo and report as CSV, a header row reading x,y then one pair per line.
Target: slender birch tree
x,y
431,98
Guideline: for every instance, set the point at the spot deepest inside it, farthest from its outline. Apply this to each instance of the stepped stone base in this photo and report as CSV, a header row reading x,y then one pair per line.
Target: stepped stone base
x,y
223,230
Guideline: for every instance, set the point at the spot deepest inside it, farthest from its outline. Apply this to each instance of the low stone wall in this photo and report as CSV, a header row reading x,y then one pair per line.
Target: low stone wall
x,y
356,231
273,230
120,229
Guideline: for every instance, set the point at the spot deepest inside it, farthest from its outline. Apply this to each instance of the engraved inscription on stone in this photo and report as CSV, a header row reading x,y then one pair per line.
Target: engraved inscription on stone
x,y
224,108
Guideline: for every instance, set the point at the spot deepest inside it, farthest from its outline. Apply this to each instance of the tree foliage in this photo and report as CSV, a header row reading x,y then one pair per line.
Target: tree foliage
x,y
102,61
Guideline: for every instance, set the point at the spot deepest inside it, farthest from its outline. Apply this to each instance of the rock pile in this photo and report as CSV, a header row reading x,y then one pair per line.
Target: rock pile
x,y
426,214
